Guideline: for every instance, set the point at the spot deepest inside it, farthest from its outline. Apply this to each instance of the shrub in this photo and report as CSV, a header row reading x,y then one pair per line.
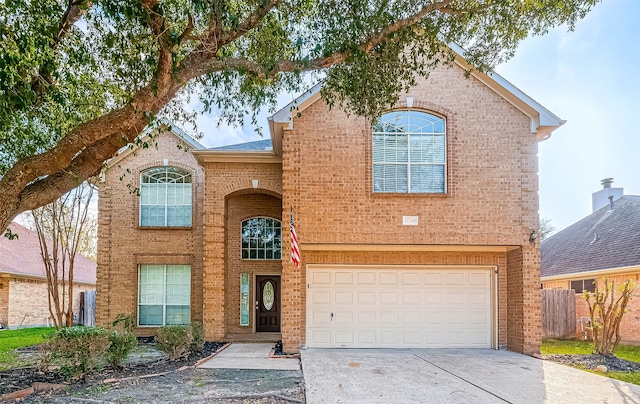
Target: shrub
x,y
174,340
122,343
606,314
197,345
79,349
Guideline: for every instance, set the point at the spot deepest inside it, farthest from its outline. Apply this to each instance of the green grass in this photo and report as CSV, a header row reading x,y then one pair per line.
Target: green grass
x,y
13,339
566,347
577,347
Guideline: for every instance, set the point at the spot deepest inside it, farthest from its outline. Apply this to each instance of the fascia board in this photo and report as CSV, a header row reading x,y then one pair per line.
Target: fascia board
x,y
225,156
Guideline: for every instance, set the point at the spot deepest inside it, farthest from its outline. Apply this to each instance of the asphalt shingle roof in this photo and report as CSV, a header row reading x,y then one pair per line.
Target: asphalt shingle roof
x,y
22,257
603,240
249,146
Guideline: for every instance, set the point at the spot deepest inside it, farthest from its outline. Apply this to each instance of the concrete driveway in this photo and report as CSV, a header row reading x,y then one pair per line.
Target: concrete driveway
x,y
451,376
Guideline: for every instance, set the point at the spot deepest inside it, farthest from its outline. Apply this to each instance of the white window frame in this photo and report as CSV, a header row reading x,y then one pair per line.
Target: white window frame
x,y
273,249
164,294
409,163
187,178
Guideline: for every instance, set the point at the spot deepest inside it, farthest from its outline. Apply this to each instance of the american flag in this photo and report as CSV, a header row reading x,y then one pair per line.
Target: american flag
x,y
295,249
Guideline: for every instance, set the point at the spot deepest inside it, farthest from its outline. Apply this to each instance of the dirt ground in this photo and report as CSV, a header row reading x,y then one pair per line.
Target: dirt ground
x,y
148,377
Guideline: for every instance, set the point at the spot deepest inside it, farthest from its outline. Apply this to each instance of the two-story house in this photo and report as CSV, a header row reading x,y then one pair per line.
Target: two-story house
x,y
415,230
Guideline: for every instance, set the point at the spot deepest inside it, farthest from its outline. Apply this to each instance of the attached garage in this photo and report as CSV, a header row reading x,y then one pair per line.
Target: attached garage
x,y
401,307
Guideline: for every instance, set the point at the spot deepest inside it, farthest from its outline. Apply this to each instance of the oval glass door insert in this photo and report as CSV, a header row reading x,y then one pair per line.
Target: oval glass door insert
x,y
267,295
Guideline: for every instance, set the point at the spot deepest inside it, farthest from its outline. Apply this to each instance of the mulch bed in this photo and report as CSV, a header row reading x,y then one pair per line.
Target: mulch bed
x,y
17,379
591,362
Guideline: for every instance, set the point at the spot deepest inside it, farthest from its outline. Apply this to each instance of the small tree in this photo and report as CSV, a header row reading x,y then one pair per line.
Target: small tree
x,y
61,228
606,314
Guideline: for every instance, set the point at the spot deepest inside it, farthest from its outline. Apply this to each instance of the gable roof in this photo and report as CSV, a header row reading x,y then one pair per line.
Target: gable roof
x,y
22,257
255,145
543,121
606,239
171,128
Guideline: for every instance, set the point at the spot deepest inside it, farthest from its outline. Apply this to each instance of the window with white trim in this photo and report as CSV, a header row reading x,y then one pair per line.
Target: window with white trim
x,y
261,239
409,153
165,197
581,285
164,294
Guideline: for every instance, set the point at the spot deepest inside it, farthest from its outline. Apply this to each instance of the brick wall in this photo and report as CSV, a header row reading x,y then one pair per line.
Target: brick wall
x,y
230,196
123,245
491,199
240,208
4,299
29,304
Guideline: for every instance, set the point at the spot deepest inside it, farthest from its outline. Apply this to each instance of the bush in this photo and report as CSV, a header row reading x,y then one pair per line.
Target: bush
x,y
122,343
197,345
178,341
79,349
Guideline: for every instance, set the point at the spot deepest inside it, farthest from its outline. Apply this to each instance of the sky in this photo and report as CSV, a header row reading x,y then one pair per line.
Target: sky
x,y
589,77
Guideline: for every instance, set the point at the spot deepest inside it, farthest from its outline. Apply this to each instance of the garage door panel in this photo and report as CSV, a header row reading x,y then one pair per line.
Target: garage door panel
x,y
399,308
388,278
342,317
344,278
366,278
344,297
320,297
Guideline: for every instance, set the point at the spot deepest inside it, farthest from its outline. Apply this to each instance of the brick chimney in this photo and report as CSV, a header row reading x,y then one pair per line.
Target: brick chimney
x,y
606,196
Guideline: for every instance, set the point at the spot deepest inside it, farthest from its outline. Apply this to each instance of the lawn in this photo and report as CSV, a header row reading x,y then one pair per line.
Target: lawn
x,y
577,347
13,339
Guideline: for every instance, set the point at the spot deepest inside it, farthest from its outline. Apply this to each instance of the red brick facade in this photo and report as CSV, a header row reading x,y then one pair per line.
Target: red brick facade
x,y
325,176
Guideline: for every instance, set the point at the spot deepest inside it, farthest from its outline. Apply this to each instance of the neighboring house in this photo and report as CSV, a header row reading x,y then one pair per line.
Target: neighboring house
x,y
23,283
414,231
605,244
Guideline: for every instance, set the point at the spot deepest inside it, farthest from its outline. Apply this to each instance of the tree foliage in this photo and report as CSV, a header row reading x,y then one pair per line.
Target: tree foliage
x,y
79,78
606,312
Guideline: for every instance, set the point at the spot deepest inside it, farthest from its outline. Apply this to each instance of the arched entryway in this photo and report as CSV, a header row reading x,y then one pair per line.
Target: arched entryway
x,y
253,265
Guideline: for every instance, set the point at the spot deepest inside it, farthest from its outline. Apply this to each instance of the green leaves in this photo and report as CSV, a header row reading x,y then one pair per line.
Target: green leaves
x,y
65,64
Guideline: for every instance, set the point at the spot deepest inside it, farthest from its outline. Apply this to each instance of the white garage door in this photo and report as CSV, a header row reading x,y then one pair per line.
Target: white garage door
x,y
399,307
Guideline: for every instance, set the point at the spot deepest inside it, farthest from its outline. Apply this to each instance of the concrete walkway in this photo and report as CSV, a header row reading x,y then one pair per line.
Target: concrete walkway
x,y
249,356
451,376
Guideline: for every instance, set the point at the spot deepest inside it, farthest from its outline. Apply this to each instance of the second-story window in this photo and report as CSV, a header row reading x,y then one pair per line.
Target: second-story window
x,y
409,153
261,239
165,197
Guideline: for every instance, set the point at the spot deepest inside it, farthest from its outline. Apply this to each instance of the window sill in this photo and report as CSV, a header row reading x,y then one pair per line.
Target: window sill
x,y
406,194
165,227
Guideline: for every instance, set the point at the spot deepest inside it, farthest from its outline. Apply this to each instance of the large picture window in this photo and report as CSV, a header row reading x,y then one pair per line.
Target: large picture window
x,y
261,239
164,295
409,153
165,197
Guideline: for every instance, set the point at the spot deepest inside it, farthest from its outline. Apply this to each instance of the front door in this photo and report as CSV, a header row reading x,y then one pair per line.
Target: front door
x,y
267,303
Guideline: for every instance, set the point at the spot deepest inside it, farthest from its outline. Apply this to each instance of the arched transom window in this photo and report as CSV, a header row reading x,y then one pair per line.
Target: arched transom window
x,y
261,239
409,153
165,197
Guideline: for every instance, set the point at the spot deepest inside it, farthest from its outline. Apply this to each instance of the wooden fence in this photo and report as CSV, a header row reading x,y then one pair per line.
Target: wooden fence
x,y
558,313
88,308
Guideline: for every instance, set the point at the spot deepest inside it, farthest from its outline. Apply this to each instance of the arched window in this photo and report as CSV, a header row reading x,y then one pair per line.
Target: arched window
x,y
409,153
261,239
165,197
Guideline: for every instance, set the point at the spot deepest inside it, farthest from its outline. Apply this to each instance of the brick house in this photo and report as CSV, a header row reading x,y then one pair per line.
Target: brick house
x,y
602,245
414,230
24,298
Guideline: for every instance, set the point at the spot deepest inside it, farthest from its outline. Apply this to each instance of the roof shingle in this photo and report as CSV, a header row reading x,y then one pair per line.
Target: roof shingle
x,y
603,240
22,257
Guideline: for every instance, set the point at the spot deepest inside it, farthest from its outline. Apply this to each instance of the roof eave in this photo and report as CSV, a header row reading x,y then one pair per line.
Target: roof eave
x,y
543,121
237,156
